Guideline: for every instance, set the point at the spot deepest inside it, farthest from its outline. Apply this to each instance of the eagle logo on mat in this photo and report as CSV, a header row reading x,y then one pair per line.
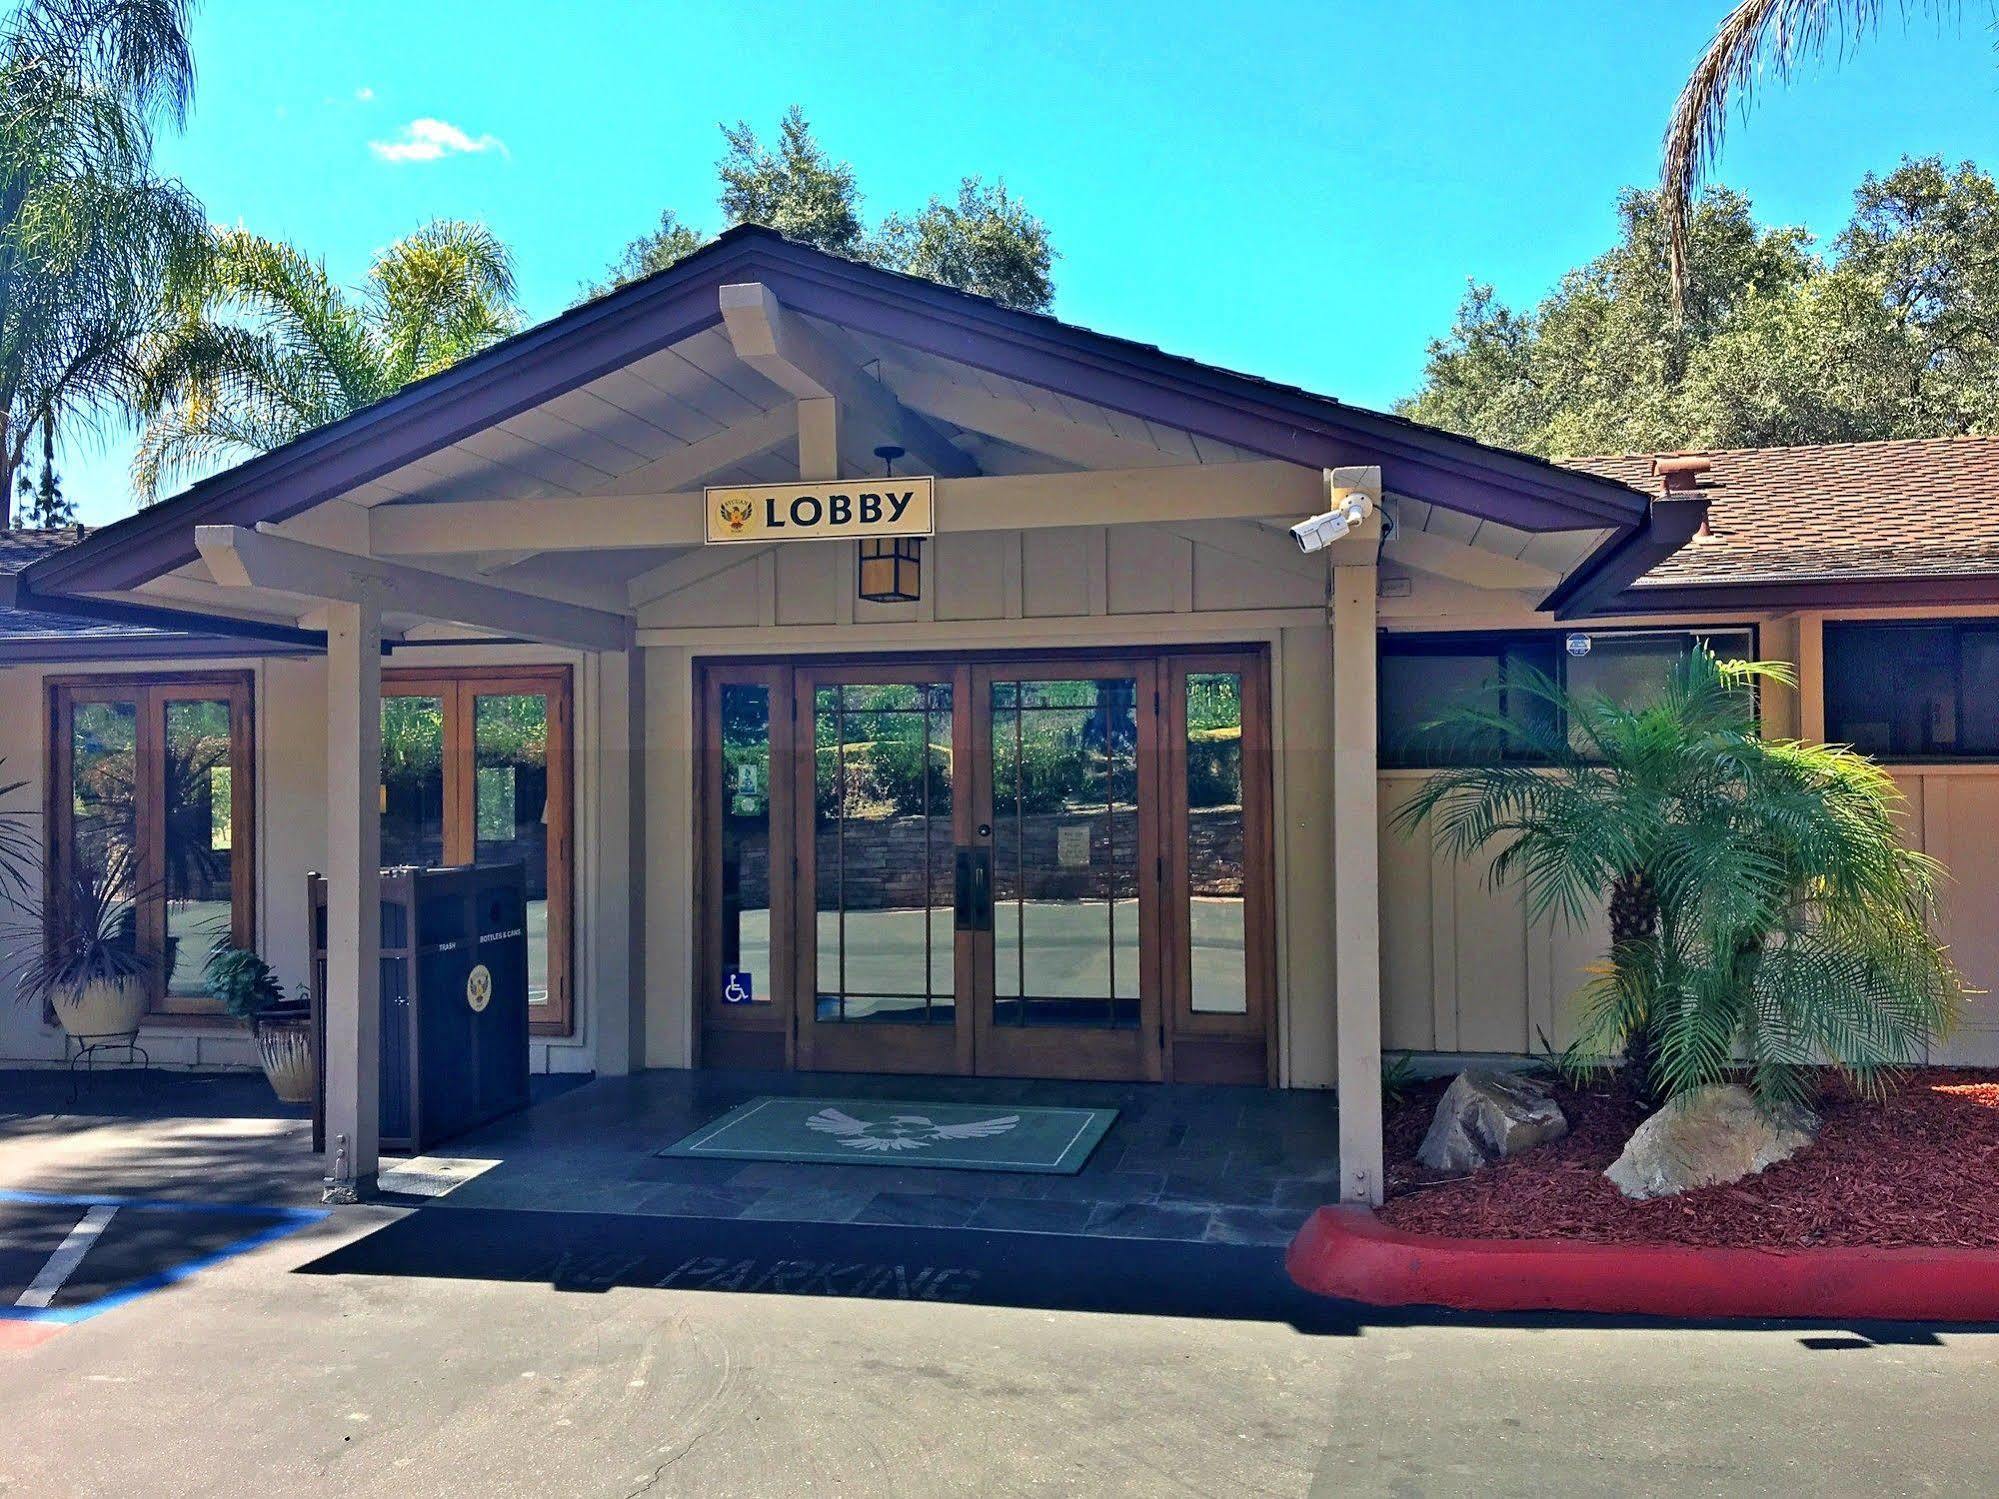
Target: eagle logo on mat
x,y
904,1131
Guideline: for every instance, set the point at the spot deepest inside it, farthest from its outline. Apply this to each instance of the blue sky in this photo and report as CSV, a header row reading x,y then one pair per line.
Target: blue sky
x,y
1297,190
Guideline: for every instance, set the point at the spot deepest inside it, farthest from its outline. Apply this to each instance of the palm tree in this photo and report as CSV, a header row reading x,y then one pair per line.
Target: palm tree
x,y
1763,908
1781,33
90,239
267,347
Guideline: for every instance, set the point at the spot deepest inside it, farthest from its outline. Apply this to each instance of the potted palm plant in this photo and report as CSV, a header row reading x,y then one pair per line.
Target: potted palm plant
x,y
248,988
83,960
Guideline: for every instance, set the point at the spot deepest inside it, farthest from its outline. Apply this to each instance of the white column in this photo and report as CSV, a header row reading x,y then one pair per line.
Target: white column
x,y
615,960
1356,881
353,899
670,1021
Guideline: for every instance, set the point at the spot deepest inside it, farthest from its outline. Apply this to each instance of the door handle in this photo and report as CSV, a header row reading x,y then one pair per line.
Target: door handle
x,y
973,889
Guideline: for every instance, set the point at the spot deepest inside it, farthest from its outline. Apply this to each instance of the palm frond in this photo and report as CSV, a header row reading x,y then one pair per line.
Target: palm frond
x,y
265,346
1789,925
1755,35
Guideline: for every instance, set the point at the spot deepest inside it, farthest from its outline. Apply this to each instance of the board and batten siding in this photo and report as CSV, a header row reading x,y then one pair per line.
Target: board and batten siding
x,y
1462,967
1464,970
1953,816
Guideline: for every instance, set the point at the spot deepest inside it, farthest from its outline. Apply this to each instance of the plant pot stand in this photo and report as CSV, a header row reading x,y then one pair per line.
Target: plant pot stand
x,y
86,1050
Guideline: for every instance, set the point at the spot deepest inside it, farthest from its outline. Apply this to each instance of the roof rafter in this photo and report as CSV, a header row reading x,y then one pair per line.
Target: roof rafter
x,y
781,347
239,557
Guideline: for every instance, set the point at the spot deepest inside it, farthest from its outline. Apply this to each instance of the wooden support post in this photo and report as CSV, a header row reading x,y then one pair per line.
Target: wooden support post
x,y
615,955
1811,676
1356,883
353,899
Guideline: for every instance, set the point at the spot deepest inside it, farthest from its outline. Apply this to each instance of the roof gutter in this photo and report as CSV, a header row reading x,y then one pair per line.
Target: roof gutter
x,y
1876,591
1670,523
17,593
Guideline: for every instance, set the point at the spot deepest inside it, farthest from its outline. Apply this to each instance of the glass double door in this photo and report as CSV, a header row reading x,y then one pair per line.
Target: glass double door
x,y
974,861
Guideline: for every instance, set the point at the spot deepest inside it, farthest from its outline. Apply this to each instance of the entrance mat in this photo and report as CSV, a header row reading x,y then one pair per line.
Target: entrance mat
x,y
877,1132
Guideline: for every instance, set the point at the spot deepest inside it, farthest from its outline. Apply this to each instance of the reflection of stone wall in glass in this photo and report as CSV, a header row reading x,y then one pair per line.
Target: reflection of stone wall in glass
x,y
884,870
1215,917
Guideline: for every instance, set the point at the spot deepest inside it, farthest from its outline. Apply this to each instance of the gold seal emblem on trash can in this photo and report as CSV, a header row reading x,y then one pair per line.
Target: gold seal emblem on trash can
x,y
479,987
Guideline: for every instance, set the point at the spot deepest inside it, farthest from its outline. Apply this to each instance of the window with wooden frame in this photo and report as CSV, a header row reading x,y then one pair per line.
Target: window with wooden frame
x,y
151,786
476,766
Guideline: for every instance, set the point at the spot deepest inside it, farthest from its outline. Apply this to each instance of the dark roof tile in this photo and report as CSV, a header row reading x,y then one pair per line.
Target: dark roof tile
x,y
1917,507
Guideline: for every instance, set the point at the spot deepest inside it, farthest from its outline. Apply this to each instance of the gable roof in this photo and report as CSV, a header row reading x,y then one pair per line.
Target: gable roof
x,y
611,331
1831,523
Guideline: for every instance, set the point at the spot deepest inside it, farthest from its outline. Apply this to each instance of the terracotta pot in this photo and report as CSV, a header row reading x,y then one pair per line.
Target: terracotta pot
x,y
101,1009
285,1049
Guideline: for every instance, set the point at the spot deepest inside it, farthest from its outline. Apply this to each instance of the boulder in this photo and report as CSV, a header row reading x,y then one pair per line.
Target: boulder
x,y
1485,1115
1707,1138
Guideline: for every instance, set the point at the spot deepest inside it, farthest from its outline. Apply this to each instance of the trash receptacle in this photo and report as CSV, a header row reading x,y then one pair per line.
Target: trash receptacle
x,y
454,980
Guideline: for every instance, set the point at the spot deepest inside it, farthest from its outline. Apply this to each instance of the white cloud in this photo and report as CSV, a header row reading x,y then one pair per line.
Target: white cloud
x,y
364,94
430,140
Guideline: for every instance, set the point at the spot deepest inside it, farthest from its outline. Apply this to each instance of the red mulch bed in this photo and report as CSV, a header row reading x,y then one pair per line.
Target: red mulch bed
x,y
1920,1168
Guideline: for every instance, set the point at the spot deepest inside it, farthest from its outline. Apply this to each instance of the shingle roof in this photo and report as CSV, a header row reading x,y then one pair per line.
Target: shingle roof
x,y
17,550
37,635
1912,508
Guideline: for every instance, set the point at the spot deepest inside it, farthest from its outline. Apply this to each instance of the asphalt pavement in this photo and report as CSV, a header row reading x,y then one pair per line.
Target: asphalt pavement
x,y
451,1350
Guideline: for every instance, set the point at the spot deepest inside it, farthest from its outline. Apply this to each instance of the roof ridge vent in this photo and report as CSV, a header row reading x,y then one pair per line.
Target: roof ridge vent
x,y
1679,473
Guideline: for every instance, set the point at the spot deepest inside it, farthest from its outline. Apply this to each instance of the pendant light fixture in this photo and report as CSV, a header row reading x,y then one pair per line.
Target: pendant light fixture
x,y
891,567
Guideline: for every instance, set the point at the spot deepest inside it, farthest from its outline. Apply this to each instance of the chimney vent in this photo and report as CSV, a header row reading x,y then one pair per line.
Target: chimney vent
x,y
1680,474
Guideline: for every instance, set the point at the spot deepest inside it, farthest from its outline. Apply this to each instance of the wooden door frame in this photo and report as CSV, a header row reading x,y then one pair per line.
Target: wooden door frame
x,y
1061,1051
457,688
1221,1047
1179,1044
863,1047
743,1034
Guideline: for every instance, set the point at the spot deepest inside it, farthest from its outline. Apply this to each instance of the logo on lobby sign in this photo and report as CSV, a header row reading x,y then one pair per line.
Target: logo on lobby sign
x,y
736,515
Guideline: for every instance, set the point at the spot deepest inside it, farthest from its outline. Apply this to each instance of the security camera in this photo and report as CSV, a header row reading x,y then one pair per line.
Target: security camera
x,y
1321,531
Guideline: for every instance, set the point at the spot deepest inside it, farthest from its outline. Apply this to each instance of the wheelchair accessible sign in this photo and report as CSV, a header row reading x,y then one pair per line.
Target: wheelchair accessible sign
x,y
738,988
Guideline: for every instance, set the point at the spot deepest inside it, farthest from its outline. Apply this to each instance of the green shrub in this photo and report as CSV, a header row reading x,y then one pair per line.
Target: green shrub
x,y
243,982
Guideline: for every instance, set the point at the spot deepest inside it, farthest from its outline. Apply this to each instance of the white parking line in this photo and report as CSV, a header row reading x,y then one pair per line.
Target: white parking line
x,y
69,1254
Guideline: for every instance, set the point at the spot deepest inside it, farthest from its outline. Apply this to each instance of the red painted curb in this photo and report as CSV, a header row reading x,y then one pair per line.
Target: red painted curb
x,y
1349,1253
26,1334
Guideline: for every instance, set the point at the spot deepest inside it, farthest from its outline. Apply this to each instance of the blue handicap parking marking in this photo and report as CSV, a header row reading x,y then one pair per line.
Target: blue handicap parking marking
x,y
65,1258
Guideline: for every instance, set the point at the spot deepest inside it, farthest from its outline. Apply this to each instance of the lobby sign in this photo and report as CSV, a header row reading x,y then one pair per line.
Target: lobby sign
x,y
836,510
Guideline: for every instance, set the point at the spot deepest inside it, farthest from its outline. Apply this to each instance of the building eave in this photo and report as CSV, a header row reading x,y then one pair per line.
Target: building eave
x,y
1599,583
661,310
